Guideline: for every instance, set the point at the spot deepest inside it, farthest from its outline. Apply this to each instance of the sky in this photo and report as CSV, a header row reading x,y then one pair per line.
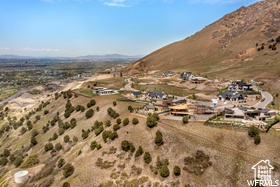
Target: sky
x,y
70,28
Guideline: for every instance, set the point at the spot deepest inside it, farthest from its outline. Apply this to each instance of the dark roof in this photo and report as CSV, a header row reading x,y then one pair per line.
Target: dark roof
x,y
179,101
156,93
231,94
150,106
137,93
160,105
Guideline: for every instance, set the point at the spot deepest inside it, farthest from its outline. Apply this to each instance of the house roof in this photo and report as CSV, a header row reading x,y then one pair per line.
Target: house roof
x,y
137,93
156,93
150,106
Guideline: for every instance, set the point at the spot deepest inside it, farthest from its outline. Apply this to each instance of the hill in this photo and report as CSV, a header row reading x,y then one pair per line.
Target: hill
x,y
205,155
226,48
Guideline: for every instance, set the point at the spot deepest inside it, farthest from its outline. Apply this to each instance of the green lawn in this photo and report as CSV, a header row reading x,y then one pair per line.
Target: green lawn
x,y
87,92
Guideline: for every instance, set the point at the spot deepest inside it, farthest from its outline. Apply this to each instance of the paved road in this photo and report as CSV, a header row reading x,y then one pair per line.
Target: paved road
x,y
128,86
268,98
22,91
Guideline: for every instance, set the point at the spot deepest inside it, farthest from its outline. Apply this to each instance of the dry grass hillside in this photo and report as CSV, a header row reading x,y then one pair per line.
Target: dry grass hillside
x,y
207,156
226,48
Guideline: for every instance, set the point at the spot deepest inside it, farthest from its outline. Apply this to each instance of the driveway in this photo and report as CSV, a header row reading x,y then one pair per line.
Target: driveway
x,y
267,99
128,86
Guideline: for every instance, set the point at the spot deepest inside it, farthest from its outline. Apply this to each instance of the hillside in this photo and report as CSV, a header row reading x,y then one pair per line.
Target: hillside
x,y
206,156
226,48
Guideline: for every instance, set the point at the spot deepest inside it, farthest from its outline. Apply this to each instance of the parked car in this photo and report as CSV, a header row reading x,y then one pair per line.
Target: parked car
x,y
253,107
263,99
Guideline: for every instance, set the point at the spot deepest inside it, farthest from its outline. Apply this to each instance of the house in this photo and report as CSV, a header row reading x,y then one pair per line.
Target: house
x,y
187,76
171,102
137,94
184,109
149,108
262,170
232,96
249,113
198,80
242,86
156,95
103,91
168,74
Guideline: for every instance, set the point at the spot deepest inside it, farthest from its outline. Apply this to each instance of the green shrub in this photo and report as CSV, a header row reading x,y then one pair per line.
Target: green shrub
x,y
55,136
46,112
85,134
61,131
93,145
58,146
158,139
116,127
3,161
48,147
139,151
125,145
18,161
99,130
31,161
177,170
98,146
125,122
68,170
60,163
6,152
119,121
257,139
164,171
108,123
130,108
66,184
135,121
151,122
33,141
29,125
114,103
66,139
156,116
185,119
89,113
253,131
147,157
34,133
23,130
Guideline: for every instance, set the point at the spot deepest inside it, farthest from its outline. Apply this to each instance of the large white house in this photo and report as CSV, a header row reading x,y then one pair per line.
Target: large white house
x,y
104,91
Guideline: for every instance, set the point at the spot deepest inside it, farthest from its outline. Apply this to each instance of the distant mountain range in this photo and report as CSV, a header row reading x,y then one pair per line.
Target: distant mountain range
x,y
11,56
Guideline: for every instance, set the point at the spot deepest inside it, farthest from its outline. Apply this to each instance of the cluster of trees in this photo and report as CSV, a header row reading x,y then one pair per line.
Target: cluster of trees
x,y
91,103
109,134
80,108
127,146
112,113
68,109
68,94
152,120
94,145
254,132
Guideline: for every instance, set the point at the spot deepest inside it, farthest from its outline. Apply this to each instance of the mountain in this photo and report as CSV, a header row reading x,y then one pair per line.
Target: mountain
x,y
226,48
8,56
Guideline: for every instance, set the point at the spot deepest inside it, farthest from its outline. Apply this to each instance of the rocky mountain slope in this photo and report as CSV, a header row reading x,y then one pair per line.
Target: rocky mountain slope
x,y
224,45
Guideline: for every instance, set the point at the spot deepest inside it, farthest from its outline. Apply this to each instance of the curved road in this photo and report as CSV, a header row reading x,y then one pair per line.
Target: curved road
x,y
267,99
128,86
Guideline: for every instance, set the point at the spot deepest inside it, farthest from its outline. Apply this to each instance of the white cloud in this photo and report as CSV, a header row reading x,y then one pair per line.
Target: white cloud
x,y
4,48
118,3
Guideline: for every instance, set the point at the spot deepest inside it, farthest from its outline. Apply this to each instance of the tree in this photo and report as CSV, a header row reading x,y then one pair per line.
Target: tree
x,y
155,115
55,136
66,138
135,121
116,127
68,170
139,151
58,146
114,103
147,157
177,170
66,184
3,161
125,145
46,112
119,121
185,119
89,113
164,171
130,108
23,130
151,122
97,108
257,139
60,163
18,161
108,123
34,133
278,39
33,141
29,125
93,145
6,152
125,122
253,131
48,147
158,139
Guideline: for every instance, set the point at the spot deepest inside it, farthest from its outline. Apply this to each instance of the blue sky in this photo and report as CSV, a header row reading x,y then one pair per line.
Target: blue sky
x,y
87,27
